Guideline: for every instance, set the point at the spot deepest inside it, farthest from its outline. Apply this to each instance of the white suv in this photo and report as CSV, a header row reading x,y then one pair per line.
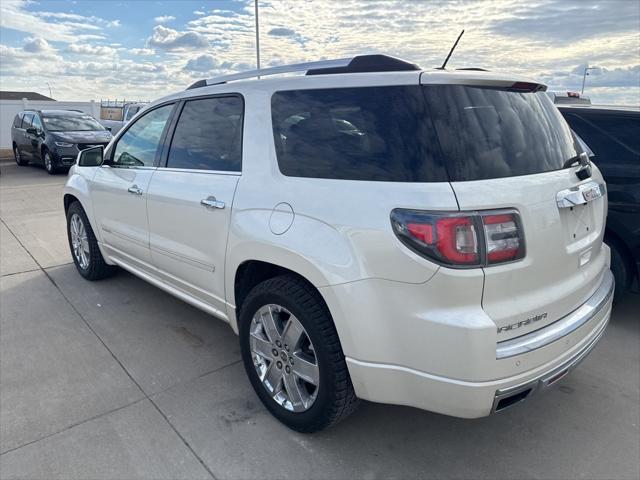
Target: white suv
x,y
369,229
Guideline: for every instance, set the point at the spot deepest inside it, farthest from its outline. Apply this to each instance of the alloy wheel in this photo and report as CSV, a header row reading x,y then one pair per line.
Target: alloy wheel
x,y
284,358
16,155
79,241
48,164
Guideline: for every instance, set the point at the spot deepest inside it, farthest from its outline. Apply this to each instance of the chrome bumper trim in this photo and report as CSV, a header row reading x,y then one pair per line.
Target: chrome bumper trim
x,y
547,379
560,328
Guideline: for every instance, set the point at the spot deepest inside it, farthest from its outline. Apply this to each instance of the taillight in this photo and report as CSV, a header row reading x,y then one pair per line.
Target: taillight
x,y
503,237
461,239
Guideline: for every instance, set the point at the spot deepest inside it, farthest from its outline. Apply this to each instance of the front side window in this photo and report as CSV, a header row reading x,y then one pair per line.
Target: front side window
x,y
18,120
26,120
71,123
139,144
36,123
208,135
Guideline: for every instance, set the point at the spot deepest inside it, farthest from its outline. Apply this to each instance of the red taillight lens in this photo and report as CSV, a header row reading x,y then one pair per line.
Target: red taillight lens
x,y
503,237
457,240
452,238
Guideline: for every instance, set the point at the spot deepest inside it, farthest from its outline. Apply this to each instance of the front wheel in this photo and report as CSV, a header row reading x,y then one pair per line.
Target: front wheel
x,y
49,166
84,246
292,355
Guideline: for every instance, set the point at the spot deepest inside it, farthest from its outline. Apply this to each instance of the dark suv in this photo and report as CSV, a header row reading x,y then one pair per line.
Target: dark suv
x,y
613,134
53,138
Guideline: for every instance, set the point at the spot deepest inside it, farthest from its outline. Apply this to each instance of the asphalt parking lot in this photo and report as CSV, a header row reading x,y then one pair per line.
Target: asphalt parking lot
x,y
117,379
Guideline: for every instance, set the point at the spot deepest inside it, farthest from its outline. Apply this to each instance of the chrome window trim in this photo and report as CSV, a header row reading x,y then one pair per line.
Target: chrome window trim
x,y
198,170
560,328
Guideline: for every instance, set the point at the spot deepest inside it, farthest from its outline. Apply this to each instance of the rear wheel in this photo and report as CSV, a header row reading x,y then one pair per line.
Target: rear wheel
x,y
49,165
292,355
620,269
84,246
19,160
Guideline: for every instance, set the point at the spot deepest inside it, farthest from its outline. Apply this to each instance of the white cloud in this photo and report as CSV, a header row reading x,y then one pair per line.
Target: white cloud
x,y
164,18
544,39
36,45
169,39
86,49
52,26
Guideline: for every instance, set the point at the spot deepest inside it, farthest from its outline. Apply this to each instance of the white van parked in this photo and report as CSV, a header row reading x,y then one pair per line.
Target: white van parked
x,y
370,230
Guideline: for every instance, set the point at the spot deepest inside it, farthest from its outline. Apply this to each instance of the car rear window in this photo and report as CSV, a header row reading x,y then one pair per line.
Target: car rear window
x,y
494,133
372,133
428,133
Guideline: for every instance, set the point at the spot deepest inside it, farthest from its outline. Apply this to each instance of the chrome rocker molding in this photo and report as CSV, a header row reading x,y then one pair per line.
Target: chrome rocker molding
x,y
518,393
560,328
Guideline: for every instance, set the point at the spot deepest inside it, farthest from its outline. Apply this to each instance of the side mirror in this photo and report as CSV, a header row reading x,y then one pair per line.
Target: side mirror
x,y
32,131
91,157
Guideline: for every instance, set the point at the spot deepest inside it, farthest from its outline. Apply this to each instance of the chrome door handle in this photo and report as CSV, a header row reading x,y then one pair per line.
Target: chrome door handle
x,y
136,190
211,202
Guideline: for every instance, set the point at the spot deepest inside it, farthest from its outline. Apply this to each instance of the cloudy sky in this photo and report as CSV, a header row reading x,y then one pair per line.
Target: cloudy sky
x,y
144,49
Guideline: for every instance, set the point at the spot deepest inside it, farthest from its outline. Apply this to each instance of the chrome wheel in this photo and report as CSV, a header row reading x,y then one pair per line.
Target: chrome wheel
x,y
284,358
48,164
79,241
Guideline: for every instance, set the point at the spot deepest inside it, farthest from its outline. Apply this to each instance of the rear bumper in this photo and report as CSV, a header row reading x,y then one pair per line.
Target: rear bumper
x,y
481,383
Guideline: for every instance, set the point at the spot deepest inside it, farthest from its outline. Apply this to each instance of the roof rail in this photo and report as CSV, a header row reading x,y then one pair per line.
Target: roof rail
x,y
357,64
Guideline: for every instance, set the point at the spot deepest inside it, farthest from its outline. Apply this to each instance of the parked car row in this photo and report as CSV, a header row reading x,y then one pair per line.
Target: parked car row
x,y
370,230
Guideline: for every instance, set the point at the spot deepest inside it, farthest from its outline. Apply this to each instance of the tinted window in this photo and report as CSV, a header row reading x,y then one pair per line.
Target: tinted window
x,y
131,112
138,146
18,120
71,123
36,123
613,138
373,133
208,135
26,120
492,133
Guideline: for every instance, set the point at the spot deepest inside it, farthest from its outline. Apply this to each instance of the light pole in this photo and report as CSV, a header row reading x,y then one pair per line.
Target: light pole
x,y
50,95
584,76
257,40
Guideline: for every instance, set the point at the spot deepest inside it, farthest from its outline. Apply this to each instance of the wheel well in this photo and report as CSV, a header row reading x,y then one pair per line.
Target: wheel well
x,y
251,273
68,200
43,147
613,240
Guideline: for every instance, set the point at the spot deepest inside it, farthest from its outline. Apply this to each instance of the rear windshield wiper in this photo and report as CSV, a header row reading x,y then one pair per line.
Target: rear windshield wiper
x,y
582,158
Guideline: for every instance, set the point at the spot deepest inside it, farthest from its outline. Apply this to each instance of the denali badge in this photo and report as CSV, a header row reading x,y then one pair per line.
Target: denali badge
x,y
513,326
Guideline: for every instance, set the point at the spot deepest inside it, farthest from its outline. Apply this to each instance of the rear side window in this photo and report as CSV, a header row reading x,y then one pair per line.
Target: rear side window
x,y
494,133
26,120
368,133
18,120
613,138
208,135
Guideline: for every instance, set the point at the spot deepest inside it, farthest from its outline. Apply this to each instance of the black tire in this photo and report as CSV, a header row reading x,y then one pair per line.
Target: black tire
x,y
620,269
21,162
336,398
49,164
97,269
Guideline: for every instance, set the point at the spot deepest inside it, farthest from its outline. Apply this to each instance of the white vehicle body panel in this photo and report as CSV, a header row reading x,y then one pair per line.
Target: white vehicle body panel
x,y
413,332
